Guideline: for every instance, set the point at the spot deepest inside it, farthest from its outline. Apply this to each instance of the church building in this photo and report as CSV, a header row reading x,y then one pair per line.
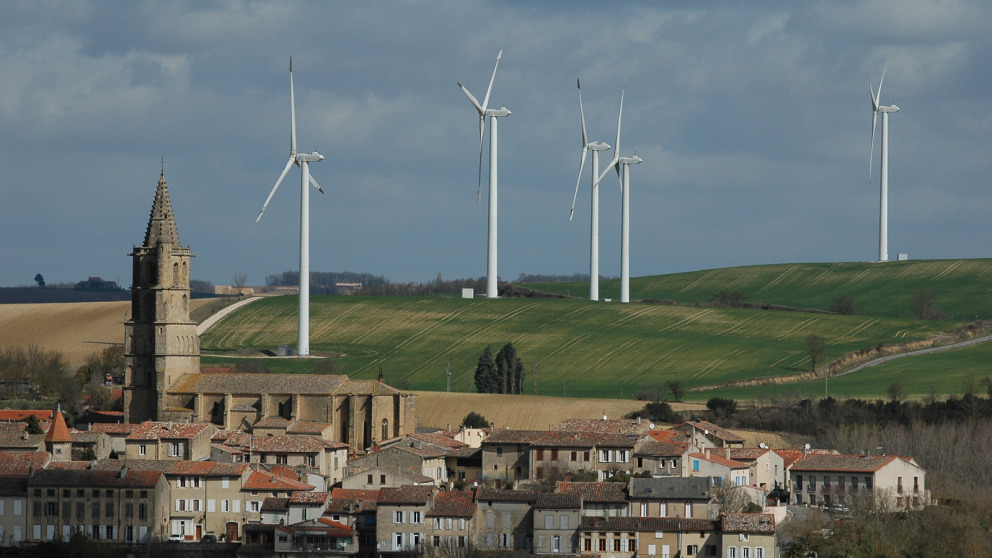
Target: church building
x,y
163,381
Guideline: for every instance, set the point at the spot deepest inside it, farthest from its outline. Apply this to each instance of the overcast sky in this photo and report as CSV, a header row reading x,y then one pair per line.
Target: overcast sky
x,y
753,120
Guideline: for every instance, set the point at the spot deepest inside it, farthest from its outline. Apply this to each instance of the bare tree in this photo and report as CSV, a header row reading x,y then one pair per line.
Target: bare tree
x,y
816,347
239,281
730,498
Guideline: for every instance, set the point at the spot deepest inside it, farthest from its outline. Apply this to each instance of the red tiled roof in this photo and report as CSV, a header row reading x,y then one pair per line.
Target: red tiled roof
x,y
150,430
112,427
646,524
843,463
91,478
719,459
352,500
58,432
611,492
653,447
759,523
452,503
608,426
714,430
583,440
18,463
512,436
12,415
408,494
308,497
791,456
266,481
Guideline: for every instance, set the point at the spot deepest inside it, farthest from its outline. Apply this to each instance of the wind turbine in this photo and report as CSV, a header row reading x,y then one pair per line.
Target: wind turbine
x,y
625,162
883,217
595,147
303,161
493,114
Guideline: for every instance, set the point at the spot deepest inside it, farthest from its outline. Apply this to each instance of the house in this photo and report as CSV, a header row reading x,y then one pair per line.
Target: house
x,y
506,454
614,537
748,535
767,468
356,509
385,477
716,463
15,436
556,452
169,440
15,467
116,431
400,517
895,482
464,464
303,453
504,519
320,536
687,497
122,505
556,524
449,521
408,454
97,445
659,457
600,499
705,434
626,427
670,537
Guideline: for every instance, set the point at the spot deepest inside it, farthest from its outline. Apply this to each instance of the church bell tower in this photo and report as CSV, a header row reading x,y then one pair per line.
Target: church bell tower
x,y
160,339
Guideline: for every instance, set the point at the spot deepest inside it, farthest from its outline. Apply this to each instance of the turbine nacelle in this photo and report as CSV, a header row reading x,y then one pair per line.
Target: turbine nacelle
x,y
630,160
500,112
889,109
309,157
598,146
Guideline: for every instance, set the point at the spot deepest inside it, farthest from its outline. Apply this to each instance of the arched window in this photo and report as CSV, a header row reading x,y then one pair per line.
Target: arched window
x,y
385,429
175,275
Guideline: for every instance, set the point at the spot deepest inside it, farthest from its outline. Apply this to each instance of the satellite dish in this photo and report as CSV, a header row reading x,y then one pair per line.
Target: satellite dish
x,y
706,432
762,445
604,417
651,426
807,446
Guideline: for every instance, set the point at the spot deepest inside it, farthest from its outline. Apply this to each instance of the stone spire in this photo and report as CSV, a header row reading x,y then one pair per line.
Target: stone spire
x,y
162,223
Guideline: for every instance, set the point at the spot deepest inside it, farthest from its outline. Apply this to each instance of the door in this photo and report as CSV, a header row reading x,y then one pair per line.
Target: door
x,y
232,531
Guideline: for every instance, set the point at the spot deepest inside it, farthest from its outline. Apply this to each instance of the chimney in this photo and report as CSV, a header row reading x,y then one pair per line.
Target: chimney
x,y
727,452
707,453
124,471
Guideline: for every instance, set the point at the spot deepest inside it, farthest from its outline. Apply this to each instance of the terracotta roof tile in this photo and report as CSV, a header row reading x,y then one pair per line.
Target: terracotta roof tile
x,y
671,488
309,497
12,415
266,481
497,495
843,463
408,494
91,478
452,503
647,524
599,492
238,383
150,430
275,505
18,463
609,426
111,427
652,447
563,439
512,436
713,429
559,501
758,523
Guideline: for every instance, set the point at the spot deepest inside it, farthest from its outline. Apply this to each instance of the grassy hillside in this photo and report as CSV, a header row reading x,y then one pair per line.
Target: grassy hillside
x,y
579,348
963,287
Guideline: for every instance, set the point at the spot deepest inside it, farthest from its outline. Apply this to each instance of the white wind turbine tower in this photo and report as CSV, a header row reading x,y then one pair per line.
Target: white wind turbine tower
x,y
595,147
883,218
493,114
303,161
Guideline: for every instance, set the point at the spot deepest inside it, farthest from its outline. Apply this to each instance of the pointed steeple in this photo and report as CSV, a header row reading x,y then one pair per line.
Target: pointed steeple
x,y
162,223
58,432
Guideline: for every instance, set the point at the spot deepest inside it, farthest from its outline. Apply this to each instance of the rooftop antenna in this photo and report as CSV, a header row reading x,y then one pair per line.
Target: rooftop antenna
x,y
303,161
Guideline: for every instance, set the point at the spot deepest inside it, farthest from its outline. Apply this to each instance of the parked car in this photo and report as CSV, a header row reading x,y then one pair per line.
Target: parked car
x,y
837,508
177,537
208,538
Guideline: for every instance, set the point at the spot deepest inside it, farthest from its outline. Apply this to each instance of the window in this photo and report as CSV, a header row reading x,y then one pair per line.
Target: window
x,y
854,483
416,517
506,520
746,552
759,552
282,459
575,456
695,464
731,552
490,521
587,544
556,544
692,550
585,456
96,511
504,540
563,522
554,455
142,511
310,461
253,506
602,545
549,523
382,479
659,534
652,550
141,449
868,483
398,517
176,449
540,455
109,511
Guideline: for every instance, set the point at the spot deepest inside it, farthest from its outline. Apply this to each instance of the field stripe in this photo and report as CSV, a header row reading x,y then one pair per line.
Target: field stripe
x,y
947,270
779,279
698,281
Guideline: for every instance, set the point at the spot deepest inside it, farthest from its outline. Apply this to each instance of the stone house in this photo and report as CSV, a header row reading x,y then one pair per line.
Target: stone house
x,y
659,457
767,468
895,482
121,505
409,455
716,463
670,537
748,535
506,454
385,477
556,524
116,431
705,434
449,521
599,499
686,497
401,517
320,536
356,509
504,519
15,468
614,537
606,454
169,441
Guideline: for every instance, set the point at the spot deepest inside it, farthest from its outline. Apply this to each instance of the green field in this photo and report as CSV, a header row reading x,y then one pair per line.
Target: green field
x,y
963,287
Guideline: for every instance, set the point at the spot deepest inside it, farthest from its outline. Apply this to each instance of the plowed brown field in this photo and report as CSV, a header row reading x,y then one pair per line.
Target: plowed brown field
x,y
77,329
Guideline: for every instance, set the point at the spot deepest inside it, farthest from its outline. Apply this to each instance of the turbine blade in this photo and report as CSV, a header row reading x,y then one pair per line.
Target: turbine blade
x,y
315,185
472,98
879,92
485,102
289,164
482,132
292,112
582,115
616,146
610,166
871,146
575,196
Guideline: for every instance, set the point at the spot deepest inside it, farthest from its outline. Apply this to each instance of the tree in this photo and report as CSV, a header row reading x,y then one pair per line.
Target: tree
x,y
475,420
40,280
896,391
239,281
485,373
33,425
730,498
842,305
924,306
677,389
727,297
816,347
722,407
510,369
